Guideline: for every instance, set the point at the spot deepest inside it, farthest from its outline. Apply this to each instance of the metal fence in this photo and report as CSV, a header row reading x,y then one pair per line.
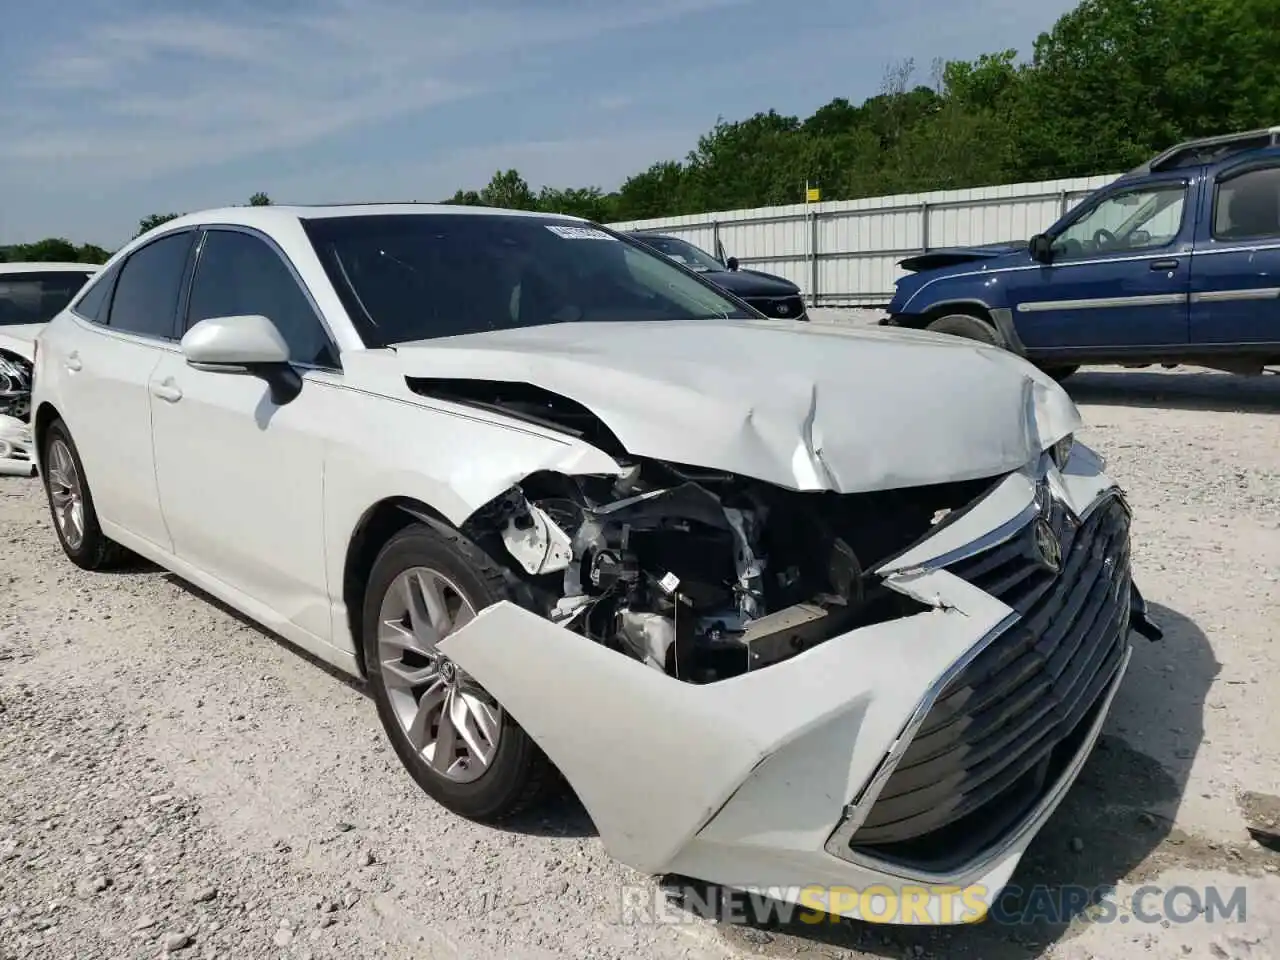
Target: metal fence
x,y
845,252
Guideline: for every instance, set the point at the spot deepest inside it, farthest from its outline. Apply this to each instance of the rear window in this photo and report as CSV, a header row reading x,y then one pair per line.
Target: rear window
x,y
37,296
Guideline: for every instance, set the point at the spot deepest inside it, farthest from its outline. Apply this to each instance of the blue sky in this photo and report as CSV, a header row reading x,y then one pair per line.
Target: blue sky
x,y
113,109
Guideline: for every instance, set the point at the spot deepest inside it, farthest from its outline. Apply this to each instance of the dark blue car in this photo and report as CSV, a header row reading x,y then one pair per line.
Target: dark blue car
x,y
773,296
1175,262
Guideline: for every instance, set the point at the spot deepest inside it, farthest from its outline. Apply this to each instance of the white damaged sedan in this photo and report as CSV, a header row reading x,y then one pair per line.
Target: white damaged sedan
x,y
789,605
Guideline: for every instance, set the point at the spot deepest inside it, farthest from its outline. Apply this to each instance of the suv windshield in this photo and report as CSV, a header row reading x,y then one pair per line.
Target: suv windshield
x,y
37,296
406,277
682,251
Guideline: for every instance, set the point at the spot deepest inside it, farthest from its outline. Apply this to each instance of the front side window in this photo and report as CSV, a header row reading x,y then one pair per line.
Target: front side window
x,y
1247,206
37,296
1145,218
685,253
146,292
410,277
240,275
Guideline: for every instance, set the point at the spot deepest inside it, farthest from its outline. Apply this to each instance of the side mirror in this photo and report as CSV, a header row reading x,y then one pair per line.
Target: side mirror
x,y
732,263
248,344
1041,246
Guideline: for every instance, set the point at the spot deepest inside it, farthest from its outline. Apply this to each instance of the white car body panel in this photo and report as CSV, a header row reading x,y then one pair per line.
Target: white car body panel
x,y
259,504
805,406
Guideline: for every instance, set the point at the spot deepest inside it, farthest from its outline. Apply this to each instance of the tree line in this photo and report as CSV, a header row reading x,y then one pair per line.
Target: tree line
x,y
1112,83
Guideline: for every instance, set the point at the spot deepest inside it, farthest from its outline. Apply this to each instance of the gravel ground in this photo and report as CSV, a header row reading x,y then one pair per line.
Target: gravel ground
x,y
177,782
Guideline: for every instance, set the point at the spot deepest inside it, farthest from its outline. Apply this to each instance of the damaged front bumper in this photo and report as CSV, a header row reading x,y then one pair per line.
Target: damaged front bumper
x,y
917,756
16,450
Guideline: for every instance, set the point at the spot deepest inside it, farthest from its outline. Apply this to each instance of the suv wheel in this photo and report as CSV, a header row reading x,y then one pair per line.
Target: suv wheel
x,y
968,326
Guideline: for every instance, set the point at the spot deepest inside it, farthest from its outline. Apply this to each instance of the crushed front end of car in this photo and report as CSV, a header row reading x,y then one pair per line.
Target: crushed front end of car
x,y
15,414
815,692
868,643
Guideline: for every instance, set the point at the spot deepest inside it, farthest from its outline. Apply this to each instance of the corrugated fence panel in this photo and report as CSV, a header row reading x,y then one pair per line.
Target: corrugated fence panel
x,y
845,252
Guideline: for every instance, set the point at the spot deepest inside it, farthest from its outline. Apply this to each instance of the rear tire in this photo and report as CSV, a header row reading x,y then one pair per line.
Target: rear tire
x,y
968,326
75,520
1061,373
455,740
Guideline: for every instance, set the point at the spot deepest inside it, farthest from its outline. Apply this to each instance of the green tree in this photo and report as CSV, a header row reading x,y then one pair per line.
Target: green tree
x,y
509,190
153,220
259,200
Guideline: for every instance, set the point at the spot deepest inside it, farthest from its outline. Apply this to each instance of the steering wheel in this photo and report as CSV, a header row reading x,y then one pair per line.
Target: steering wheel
x,y
1103,238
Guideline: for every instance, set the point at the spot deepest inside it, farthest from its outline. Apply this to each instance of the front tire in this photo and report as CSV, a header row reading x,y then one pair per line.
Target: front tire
x,y
455,740
71,503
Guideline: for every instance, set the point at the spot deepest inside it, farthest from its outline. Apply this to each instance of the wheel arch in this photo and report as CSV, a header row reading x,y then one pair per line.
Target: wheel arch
x,y
388,516
377,525
44,415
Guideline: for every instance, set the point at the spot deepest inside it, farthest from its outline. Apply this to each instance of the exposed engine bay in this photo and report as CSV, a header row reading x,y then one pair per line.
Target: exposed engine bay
x,y
708,575
15,386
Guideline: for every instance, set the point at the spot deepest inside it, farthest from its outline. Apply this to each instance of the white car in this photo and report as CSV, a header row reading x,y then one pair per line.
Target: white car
x,y
789,605
31,294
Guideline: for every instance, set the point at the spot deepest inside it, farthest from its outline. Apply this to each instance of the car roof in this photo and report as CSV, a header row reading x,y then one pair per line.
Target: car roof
x,y
48,266
275,215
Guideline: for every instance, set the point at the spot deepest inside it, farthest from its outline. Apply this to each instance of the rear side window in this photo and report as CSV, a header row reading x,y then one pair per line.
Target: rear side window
x,y
1248,206
93,303
146,294
37,296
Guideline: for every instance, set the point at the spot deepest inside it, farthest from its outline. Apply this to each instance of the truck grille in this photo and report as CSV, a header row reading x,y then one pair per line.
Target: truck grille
x,y
1004,728
782,308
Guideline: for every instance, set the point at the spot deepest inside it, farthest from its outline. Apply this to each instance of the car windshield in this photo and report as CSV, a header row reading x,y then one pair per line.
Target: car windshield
x,y
37,296
407,277
684,252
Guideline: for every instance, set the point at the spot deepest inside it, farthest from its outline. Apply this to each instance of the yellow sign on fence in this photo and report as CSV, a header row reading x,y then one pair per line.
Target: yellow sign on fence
x,y
812,195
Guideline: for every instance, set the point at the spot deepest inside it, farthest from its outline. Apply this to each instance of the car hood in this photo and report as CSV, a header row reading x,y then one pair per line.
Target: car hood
x,y
954,256
749,283
19,338
800,405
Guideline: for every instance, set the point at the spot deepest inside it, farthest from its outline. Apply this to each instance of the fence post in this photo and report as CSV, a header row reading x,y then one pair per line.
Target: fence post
x,y
1064,203
924,227
715,238
813,259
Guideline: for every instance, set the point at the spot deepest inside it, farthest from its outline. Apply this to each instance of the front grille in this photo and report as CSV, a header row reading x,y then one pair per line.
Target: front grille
x,y
1000,732
783,308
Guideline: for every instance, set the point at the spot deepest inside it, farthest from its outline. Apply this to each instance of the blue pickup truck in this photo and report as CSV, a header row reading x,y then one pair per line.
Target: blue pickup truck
x,y
1176,262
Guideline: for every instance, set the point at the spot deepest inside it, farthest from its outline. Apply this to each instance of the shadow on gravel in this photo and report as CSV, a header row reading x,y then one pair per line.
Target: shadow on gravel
x,y
1106,830
191,588
1222,392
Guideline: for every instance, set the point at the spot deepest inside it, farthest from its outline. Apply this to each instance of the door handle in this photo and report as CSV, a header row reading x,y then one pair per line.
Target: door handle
x,y
167,390
73,361
1164,265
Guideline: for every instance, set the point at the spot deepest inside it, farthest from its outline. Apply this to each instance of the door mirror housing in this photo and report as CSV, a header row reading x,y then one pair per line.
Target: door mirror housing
x,y
732,263
246,344
1041,246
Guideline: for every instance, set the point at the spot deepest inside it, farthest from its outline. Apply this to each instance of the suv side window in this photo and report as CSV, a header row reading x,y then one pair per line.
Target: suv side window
x,y
1144,218
1247,205
146,294
238,275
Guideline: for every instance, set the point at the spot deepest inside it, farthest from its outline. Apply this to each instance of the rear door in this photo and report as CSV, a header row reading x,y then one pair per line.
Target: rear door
x,y
123,327
1119,277
1235,275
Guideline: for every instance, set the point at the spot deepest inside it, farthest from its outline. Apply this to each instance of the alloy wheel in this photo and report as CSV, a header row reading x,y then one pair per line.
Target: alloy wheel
x,y
446,716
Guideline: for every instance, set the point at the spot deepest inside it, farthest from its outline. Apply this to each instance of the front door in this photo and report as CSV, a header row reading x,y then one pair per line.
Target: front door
x,y
241,478
1119,276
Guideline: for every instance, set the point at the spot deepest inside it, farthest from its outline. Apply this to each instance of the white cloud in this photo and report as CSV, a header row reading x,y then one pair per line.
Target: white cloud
x,y
137,96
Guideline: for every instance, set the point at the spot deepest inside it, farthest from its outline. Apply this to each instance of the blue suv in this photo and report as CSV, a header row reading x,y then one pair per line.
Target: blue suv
x,y
1177,261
